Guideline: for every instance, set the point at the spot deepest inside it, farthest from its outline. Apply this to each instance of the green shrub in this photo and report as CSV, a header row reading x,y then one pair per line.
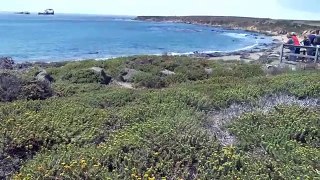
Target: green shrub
x,y
175,79
10,87
37,90
110,132
82,76
149,80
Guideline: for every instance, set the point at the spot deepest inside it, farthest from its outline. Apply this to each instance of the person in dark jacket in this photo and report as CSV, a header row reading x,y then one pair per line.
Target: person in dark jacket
x,y
313,36
306,42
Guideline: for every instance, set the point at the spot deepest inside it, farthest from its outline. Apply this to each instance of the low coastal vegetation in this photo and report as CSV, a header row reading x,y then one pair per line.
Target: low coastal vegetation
x,y
176,121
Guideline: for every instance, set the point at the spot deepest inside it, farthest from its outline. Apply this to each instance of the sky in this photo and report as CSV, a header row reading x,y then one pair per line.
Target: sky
x,y
278,9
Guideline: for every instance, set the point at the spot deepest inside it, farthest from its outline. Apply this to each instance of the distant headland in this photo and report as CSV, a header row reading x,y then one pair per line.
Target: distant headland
x,y
261,25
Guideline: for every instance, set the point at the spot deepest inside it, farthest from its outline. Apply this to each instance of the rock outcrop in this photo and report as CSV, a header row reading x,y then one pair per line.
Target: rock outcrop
x,y
6,63
44,76
127,75
105,78
167,72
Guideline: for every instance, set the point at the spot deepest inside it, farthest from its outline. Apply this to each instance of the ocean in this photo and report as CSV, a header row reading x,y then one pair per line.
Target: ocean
x,y
77,37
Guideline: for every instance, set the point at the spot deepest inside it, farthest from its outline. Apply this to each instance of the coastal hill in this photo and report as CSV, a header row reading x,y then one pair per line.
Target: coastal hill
x,y
263,25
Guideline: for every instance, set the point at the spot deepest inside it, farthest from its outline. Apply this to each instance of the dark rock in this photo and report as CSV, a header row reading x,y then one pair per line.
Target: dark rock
x,y
245,56
6,63
237,53
37,90
167,72
44,76
96,52
146,61
127,75
105,79
10,87
216,54
282,32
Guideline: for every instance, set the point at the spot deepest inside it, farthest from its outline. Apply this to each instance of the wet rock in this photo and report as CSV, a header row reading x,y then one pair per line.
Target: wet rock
x,y
6,63
105,79
167,72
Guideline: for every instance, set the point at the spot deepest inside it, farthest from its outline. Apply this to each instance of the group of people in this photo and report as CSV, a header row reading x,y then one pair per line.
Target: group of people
x,y
312,40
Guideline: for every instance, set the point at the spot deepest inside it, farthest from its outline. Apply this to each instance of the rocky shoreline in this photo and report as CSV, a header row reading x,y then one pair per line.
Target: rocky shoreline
x,y
262,50
264,26
271,27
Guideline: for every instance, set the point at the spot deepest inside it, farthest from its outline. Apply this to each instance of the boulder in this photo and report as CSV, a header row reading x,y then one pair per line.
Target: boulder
x,y
6,63
43,76
105,79
278,69
209,71
167,72
128,74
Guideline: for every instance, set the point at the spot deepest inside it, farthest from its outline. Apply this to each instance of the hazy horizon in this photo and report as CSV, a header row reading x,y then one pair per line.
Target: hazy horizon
x,y
276,9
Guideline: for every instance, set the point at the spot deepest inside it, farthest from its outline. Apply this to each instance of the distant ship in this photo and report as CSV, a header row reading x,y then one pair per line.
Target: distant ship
x,y
47,12
24,12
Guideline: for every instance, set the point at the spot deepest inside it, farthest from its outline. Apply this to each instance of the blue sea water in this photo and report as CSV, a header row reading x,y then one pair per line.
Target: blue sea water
x,y
75,37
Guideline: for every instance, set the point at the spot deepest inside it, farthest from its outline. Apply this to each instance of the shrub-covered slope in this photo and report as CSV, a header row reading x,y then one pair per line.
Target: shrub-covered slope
x,y
161,129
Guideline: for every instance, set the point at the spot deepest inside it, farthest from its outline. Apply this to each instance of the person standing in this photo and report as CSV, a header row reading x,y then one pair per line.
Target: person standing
x,y
316,40
312,36
291,48
296,42
306,42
